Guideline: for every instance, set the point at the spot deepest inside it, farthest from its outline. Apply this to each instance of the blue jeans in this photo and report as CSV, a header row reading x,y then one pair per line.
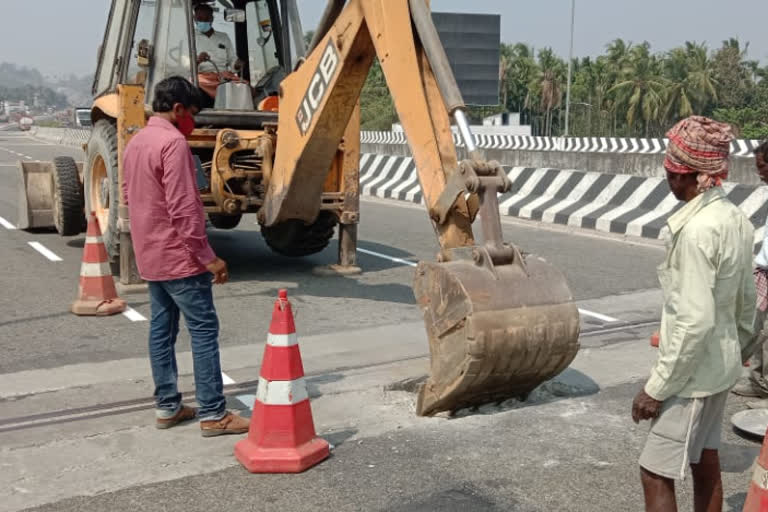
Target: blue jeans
x,y
192,297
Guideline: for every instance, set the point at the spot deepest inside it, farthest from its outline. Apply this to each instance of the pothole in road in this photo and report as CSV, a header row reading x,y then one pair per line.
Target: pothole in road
x,y
569,384
409,385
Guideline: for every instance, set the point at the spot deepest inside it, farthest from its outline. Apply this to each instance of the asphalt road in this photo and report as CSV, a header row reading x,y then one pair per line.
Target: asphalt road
x,y
39,291
75,429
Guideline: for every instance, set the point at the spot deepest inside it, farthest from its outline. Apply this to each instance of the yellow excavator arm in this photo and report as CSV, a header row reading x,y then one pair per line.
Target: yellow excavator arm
x,y
499,323
318,99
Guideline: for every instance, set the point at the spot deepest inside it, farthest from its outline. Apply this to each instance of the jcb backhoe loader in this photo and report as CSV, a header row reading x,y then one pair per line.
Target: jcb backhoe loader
x,y
284,143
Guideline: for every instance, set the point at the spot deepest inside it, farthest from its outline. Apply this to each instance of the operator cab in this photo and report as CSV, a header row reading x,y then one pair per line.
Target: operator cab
x,y
147,41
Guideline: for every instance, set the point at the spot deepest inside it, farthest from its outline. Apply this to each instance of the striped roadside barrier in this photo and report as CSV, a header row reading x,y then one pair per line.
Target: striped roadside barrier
x,y
621,145
612,203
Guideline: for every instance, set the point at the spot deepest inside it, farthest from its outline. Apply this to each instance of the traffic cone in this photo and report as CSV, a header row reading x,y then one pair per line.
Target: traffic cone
x,y
96,294
282,436
757,497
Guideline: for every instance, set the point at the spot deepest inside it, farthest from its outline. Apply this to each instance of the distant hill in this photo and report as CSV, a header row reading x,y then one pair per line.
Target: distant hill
x,y
61,91
13,76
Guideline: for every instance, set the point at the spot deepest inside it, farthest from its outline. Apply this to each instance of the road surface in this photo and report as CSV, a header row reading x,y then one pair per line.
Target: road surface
x,y
75,393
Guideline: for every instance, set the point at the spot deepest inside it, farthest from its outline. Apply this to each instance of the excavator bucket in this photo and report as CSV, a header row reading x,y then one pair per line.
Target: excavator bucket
x,y
35,195
499,323
494,332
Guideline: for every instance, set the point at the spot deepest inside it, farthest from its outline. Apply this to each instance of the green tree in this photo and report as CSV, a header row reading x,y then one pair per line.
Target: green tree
x,y
377,110
691,85
641,88
629,90
734,74
517,69
545,91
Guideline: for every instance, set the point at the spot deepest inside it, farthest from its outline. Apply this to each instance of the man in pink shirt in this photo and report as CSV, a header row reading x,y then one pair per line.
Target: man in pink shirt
x,y
174,257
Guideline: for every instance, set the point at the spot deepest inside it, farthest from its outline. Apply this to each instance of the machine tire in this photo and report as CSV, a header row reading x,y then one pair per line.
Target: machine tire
x,y
100,177
68,203
220,221
295,239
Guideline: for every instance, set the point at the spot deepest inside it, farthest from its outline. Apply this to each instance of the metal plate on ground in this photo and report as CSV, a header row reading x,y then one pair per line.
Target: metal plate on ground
x,y
752,421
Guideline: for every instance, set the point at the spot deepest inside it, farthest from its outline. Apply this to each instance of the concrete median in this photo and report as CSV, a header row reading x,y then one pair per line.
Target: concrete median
x,y
614,185
612,203
74,137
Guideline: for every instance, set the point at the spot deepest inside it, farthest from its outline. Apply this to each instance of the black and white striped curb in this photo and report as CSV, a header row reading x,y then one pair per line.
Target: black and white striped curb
x,y
613,203
741,147
64,136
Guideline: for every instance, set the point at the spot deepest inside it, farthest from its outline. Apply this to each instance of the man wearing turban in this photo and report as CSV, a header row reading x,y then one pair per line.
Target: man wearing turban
x,y
706,324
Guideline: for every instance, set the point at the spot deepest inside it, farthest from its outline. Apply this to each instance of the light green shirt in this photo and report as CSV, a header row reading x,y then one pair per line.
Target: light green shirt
x,y
709,299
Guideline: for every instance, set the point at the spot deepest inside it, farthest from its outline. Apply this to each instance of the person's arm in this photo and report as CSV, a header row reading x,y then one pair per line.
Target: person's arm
x,y
231,57
745,312
183,202
694,320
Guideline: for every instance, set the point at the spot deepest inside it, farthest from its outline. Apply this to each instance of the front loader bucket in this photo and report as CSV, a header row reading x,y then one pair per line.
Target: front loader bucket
x,y
495,331
35,195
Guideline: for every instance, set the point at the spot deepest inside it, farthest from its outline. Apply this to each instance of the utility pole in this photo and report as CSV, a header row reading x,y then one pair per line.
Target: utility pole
x,y
570,67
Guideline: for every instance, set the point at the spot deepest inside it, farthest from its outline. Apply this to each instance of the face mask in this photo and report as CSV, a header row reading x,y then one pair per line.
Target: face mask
x,y
185,125
203,26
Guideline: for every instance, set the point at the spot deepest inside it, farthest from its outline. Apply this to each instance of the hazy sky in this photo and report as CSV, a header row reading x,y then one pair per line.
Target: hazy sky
x,y
61,36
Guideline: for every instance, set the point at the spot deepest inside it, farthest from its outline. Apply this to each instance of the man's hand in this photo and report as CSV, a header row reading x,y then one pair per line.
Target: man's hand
x,y
218,268
644,407
203,57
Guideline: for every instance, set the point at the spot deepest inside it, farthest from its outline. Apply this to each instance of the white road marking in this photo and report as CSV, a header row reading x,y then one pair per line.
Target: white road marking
x,y
133,315
649,243
247,400
227,379
6,224
44,251
385,257
604,318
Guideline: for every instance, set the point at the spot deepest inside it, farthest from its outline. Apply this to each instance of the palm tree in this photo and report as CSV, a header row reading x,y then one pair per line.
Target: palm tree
x,y
602,84
691,83
546,86
641,88
618,55
617,58
678,102
518,68
734,74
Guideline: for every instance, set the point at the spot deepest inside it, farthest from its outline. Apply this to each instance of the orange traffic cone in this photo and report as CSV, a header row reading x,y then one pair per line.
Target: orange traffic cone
x,y
757,497
282,435
96,295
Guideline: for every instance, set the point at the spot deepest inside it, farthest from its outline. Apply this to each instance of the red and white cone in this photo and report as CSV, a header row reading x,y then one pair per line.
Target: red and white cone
x,y
96,295
282,436
757,497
